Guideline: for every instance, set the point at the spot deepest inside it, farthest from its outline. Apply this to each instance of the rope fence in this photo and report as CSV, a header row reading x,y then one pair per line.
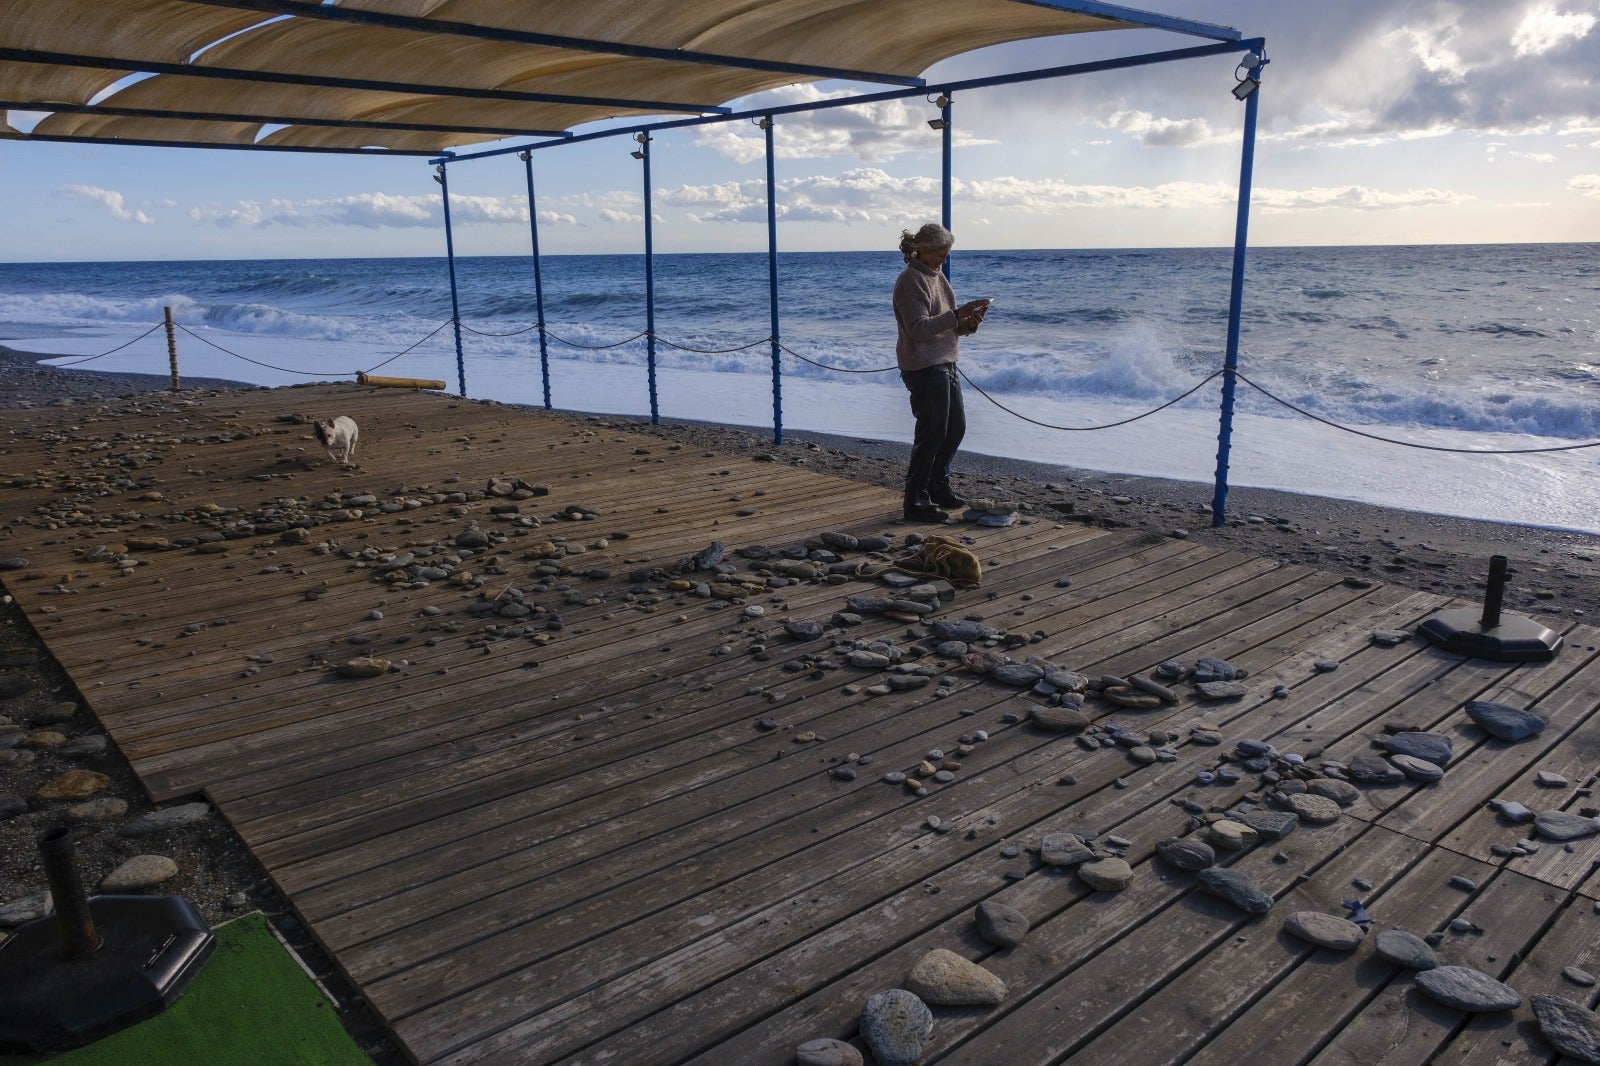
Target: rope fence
x,y
547,333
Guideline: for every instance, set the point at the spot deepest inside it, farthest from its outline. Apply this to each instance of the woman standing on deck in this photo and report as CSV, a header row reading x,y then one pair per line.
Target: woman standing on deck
x,y
929,323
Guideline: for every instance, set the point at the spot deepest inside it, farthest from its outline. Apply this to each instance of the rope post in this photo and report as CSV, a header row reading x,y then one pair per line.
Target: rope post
x,y
772,285
643,153
172,348
450,255
538,281
1219,498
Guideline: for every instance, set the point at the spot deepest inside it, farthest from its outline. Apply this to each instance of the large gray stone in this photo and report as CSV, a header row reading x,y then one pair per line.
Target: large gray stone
x,y
1186,853
1059,719
1236,887
1371,770
139,873
826,1052
1341,792
1313,810
1434,747
802,631
1405,949
1325,930
963,630
25,909
1269,825
1022,675
1562,825
1504,721
942,978
1571,1028
896,1024
1467,989
1064,849
1419,770
1110,874
167,818
1001,925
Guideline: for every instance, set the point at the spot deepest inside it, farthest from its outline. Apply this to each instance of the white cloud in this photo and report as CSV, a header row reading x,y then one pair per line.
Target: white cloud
x,y
1536,157
1432,46
1352,197
872,133
1543,28
608,214
1155,132
869,195
1585,185
111,200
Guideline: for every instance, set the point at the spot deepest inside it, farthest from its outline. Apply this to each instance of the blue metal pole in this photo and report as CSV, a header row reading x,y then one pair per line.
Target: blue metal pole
x,y
772,285
450,254
1219,499
649,281
944,171
538,281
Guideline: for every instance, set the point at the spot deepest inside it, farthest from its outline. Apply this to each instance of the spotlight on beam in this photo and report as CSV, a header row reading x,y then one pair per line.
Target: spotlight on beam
x,y
637,154
1248,73
936,123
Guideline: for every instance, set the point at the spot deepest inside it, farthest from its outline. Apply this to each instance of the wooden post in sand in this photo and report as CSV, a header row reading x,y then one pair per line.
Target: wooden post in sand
x,y
172,349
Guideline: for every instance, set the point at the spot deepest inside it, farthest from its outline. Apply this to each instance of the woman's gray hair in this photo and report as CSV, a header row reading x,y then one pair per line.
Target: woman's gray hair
x,y
930,238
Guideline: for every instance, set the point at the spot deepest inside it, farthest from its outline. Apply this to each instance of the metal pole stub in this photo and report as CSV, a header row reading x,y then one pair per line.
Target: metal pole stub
x,y
78,937
172,348
1494,593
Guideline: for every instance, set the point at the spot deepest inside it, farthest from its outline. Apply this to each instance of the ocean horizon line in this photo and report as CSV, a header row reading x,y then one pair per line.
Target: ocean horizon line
x,y
762,253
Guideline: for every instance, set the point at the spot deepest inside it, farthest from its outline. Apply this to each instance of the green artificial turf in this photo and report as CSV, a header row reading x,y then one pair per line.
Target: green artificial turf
x,y
250,1005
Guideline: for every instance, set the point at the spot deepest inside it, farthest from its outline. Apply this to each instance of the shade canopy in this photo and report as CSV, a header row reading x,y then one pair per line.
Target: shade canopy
x,y
422,76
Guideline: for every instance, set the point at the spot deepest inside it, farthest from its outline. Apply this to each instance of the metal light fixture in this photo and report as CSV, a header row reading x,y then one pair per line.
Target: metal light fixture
x,y
941,103
438,173
643,139
1249,74
936,123
637,153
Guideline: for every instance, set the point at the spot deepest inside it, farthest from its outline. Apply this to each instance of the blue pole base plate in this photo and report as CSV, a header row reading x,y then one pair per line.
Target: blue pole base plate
x,y
1515,640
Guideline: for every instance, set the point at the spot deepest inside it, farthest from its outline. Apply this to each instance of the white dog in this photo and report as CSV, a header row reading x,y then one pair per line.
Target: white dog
x,y
339,437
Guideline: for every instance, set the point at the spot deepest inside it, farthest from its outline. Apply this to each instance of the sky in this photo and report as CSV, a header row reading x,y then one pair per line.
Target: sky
x,y
1381,122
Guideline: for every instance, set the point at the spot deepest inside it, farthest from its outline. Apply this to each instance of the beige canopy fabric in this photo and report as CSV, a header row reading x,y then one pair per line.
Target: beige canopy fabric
x,y
438,74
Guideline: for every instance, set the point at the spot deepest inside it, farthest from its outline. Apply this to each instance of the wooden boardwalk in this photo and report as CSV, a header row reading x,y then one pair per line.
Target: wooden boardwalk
x,y
563,839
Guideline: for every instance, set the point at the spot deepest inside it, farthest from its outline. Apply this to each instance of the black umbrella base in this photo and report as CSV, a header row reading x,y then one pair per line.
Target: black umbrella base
x,y
1514,639
151,946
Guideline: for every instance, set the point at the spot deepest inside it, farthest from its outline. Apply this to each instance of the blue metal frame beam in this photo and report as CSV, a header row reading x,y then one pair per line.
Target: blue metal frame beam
x,y
191,70
1230,363
1148,19
649,283
442,176
538,279
220,116
335,13
772,283
146,142
1122,63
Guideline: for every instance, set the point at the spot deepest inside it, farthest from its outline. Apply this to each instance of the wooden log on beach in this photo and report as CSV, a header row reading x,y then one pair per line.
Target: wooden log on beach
x,y
399,383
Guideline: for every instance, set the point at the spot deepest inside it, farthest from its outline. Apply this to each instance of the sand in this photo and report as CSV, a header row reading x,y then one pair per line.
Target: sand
x,y
1553,573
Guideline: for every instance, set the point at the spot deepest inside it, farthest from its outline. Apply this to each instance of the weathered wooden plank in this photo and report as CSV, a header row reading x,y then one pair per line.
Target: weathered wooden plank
x,y
1400,1024
1282,985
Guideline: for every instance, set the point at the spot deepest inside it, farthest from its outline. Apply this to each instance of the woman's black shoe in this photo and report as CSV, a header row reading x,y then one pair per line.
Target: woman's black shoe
x,y
924,512
945,496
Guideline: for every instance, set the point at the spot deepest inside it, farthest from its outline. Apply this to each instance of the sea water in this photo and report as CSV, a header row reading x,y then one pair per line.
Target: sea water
x,y
1456,349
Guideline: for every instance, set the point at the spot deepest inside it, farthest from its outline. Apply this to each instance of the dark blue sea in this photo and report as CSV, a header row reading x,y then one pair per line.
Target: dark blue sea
x,y
1499,338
